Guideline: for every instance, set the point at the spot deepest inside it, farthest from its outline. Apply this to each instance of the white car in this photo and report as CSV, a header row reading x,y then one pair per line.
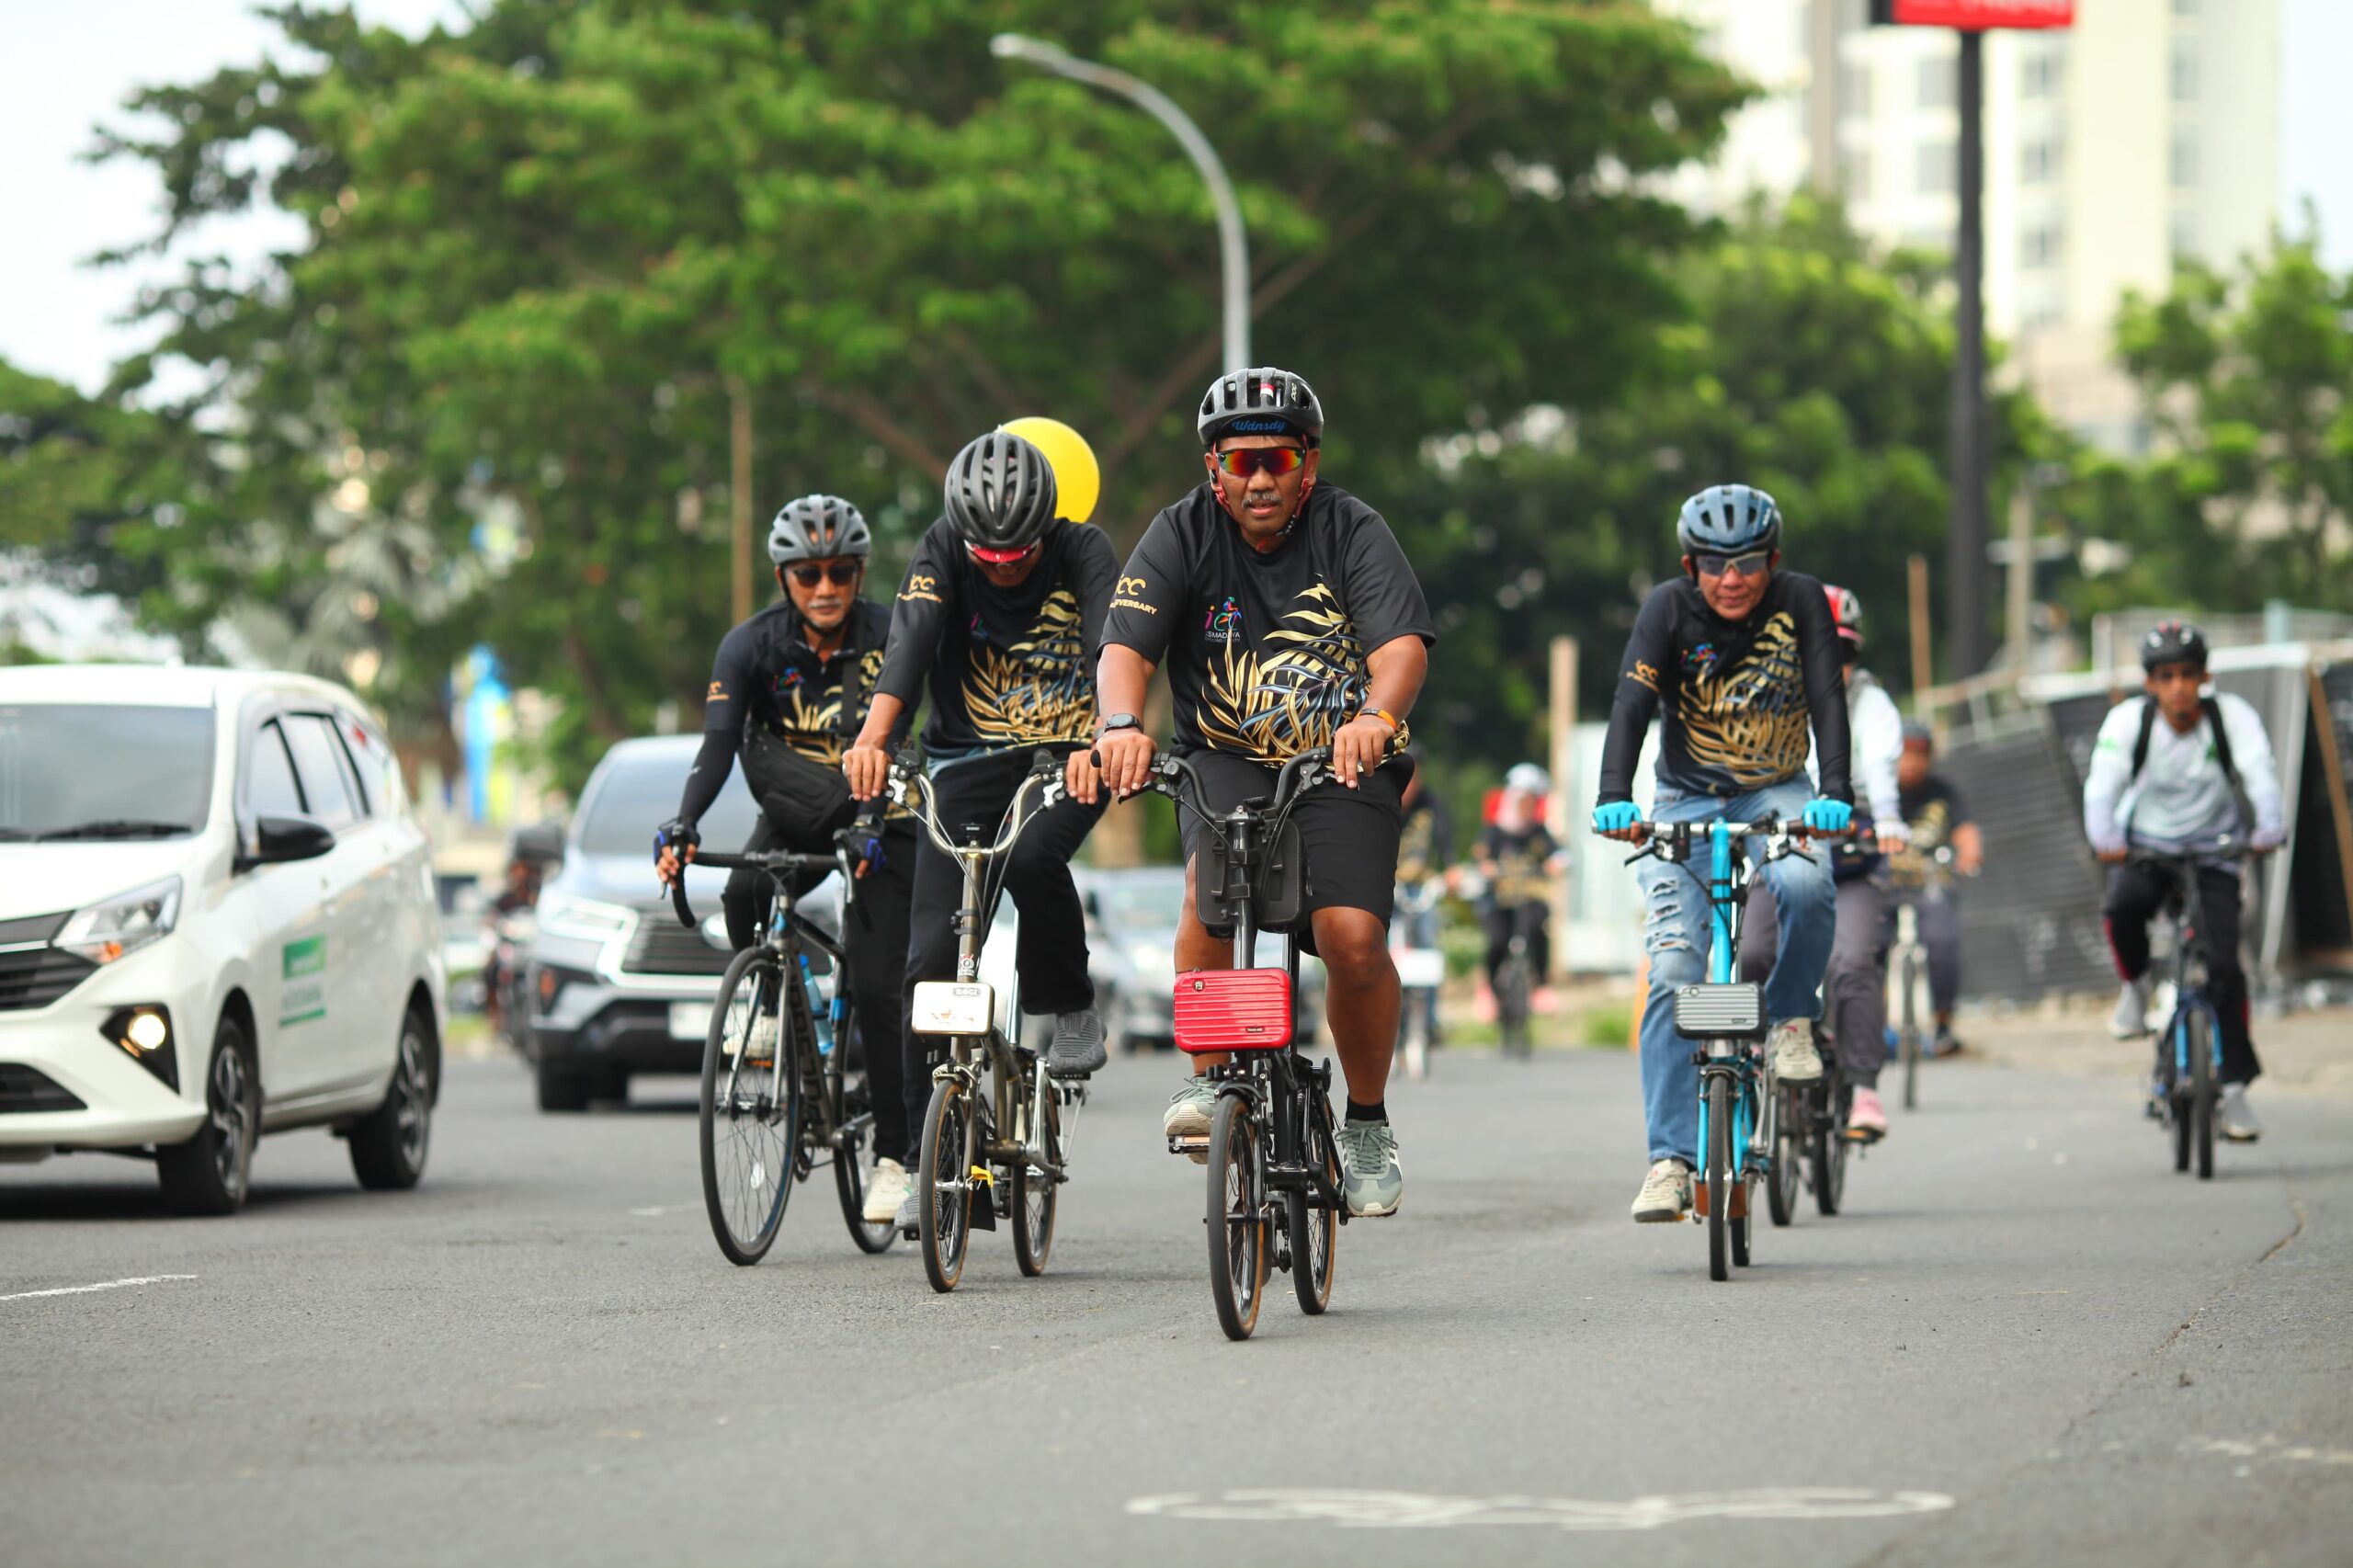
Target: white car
x,y
217,919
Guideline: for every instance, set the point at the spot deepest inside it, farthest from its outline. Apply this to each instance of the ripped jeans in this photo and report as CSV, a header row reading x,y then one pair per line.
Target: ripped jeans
x,y
1679,932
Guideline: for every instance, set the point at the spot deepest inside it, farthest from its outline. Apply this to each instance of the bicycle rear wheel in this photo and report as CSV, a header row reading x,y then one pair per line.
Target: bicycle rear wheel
x,y
1787,1143
1315,1232
1237,1219
748,1115
1829,1123
1720,1177
1911,1034
1512,1003
944,1186
1034,1191
2202,1090
849,1178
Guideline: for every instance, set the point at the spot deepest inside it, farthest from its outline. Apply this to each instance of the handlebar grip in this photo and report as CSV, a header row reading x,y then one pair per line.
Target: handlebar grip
x,y
678,901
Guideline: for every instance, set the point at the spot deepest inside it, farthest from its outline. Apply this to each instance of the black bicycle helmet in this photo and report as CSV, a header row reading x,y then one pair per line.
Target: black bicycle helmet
x,y
2173,642
818,527
1729,520
1000,492
1265,402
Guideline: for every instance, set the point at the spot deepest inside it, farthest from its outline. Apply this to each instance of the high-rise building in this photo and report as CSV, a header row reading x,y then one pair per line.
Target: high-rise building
x,y
2154,130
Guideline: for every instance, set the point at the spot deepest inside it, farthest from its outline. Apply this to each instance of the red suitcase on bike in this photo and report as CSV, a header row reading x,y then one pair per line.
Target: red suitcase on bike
x,y
1233,1009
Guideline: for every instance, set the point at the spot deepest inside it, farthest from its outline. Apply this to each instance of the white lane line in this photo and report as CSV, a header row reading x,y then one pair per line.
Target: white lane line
x,y
109,1284
1396,1510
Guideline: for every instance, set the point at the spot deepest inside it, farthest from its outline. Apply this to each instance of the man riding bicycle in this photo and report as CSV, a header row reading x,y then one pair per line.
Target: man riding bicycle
x,y
1288,619
1518,858
1938,819
999,613
2166,775
1738,659
788,688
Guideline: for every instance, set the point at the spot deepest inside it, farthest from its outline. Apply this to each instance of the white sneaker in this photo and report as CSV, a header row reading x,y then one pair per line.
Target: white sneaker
x,y
1794,1059
1190,1110
2235,1120
886,1189
2131,1019
1666,1196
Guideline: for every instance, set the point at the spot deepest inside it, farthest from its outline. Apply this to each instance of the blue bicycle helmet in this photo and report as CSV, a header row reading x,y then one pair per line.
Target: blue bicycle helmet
x,y
1729,520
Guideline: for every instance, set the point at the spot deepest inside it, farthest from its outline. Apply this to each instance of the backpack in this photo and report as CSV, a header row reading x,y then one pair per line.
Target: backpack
x,y
2212,709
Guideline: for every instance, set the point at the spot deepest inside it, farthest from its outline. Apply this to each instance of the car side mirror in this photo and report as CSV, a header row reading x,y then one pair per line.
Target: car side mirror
x,y
278,840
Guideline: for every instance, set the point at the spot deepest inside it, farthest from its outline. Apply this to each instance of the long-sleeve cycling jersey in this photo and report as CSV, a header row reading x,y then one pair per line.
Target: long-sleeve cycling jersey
x,y
2182,799
767,675
1735,699
1876,728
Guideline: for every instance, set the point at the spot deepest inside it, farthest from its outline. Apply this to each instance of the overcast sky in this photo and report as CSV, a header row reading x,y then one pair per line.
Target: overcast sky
x,y
67,64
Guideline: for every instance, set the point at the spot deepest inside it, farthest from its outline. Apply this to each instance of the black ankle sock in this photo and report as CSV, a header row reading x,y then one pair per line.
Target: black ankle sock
x,y
1377,1111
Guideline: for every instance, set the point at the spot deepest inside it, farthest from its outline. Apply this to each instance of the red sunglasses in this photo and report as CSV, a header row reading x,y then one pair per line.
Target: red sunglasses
x,y
1004,557
1244,461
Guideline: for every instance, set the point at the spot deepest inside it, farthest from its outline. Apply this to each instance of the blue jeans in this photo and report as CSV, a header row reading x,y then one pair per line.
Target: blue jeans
x,y
1679,932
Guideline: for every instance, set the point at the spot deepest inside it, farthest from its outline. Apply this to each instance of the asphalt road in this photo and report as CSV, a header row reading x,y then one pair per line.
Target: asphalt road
x,y
2027,1342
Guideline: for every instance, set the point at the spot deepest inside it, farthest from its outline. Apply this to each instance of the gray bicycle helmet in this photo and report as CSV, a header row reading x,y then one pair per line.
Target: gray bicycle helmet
x,y
2173,642
1729,520
818,527
1000,492
1265,402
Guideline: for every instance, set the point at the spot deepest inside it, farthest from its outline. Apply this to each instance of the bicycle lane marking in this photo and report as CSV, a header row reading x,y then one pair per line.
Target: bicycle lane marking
x,y
108,1285
1409,1510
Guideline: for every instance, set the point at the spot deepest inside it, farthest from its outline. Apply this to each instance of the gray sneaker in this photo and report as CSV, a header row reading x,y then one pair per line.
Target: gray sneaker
x,y
1188,1116
1370,1173
2235,1119
1077,1048
909,1219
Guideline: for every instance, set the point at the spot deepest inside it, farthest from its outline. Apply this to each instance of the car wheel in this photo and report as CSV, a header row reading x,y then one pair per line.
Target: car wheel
x,y
561,1088
388,1145
211,1172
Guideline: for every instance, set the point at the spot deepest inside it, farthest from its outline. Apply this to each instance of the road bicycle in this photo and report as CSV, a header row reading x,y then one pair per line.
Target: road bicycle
x,y
777,1100
1744,1110
1274,1164
997,1136
1420,971
1908,970
2190,1059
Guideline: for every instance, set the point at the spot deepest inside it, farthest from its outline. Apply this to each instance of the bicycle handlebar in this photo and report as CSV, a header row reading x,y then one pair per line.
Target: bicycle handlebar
x,y
776,862
1295,778
907,780
1673,840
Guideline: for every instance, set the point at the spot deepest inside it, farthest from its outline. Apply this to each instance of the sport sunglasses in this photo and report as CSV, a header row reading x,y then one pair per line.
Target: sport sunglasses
x,y
840,574
1749,566
1244,461
1004,557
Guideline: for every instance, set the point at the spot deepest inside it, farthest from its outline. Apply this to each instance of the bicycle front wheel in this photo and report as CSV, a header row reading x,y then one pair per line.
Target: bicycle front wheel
x,y
1513,1000
1787,1109
1911,1034
1237,1219
1314,1230
749,1112
1829,1136
1719,1176
1034,1190
2201,1115
944,1186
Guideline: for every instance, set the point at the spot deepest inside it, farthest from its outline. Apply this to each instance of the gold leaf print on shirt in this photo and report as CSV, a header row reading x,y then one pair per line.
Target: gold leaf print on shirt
x,y
1749,717
1038,691
813,728
1271,706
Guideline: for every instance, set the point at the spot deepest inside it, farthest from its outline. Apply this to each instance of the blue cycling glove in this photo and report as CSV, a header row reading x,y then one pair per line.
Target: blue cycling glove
x,y
1828,816
1616,816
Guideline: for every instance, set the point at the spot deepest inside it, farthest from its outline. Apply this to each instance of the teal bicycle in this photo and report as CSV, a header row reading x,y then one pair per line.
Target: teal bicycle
x,y
1742,1113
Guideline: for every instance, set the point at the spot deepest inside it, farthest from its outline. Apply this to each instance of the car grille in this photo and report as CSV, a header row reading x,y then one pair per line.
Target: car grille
x,y
662,945
24,1089
38,976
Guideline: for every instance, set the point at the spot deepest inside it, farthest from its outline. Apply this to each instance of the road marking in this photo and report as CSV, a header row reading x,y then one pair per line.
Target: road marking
x,y
655,1210
1409,1510
109,1284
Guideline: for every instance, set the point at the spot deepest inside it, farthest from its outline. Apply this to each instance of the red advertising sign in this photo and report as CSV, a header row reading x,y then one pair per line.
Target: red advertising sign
x,y
1975,15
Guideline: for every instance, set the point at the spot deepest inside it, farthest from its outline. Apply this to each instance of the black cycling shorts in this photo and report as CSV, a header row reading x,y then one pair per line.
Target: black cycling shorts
x,y
1348,838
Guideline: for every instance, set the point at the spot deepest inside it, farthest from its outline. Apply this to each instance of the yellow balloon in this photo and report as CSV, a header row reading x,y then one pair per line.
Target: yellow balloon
x,y
1078,481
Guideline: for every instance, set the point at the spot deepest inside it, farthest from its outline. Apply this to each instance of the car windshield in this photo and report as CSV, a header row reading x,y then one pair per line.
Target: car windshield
x,y
1147,899
102,771
639,793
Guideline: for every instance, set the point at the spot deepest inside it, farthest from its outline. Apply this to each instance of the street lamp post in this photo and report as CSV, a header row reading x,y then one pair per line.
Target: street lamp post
x,y
1234,248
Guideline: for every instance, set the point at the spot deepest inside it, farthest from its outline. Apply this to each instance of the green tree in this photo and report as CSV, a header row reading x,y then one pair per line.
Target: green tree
x,y
544,257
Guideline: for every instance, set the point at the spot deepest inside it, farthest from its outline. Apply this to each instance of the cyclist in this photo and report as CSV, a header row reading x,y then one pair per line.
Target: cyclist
x,y
1425,844
1518,856
2173,787
1000,612
787,688
1855,984
1288,619
1738,658
1937,818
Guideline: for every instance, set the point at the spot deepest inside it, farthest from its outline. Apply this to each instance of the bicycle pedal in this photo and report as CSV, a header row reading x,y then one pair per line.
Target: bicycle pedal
x,y
1195,1148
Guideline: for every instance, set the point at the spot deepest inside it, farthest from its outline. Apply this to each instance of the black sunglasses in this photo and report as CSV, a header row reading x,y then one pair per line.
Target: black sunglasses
x,y
840,573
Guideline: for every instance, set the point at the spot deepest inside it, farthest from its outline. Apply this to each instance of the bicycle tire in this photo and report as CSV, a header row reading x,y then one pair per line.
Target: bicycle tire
x,y
943,1216
849,1180
1513,1000
1787,1143
1719,1176
1315,1233
1237,1219
1035,1192
1911,1034
2202,1089
1830,1147
748,1157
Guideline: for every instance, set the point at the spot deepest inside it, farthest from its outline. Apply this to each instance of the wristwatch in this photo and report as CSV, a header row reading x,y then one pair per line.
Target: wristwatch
x,y
1118,722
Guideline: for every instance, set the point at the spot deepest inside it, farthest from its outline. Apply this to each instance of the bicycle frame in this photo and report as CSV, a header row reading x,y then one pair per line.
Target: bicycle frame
x,y
2192,961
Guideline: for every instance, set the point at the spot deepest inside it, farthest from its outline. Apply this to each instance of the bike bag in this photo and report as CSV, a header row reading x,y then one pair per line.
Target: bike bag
x,y
807,800
1233,1009
1282,884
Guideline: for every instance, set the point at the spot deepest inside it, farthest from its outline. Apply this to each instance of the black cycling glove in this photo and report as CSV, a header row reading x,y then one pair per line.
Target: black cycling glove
x,y
678,834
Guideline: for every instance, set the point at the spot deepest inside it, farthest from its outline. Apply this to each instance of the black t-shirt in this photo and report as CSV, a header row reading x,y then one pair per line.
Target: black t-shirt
x,y
1009,667
1522,858
765,676
1933,808
1735,698
1266,651
1425,841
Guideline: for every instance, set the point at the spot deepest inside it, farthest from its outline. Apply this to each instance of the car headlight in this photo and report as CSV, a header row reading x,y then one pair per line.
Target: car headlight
x,y
563,914
104,932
